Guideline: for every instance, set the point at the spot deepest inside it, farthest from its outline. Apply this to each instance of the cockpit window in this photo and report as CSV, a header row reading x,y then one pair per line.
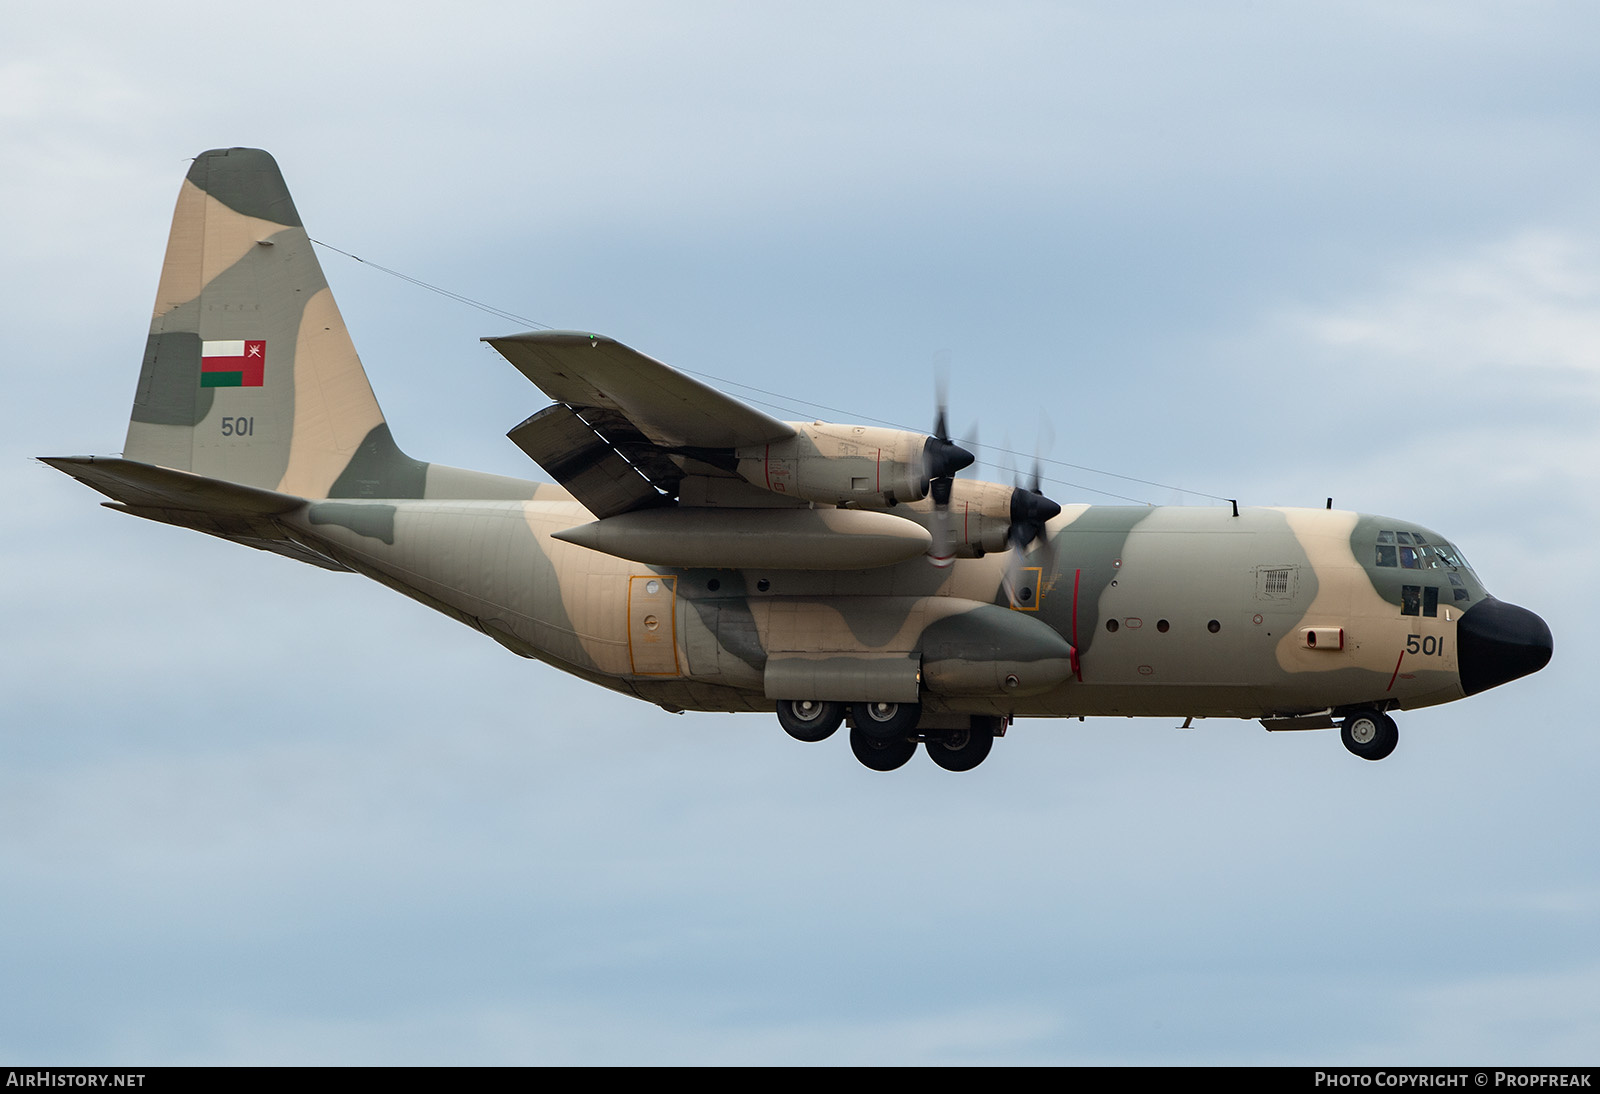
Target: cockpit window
x,y
1420,572
1412,551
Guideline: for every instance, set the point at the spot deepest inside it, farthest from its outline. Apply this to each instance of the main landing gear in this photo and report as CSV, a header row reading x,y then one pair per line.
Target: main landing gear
x,y
881,753
809,719
885,736
1370,734
961,749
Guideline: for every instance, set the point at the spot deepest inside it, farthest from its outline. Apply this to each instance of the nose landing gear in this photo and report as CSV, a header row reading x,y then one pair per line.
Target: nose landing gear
x,y
1370,734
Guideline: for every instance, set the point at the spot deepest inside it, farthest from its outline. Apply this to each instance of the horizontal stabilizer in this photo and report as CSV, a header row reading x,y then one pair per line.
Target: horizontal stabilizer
x,y
240,514
145,486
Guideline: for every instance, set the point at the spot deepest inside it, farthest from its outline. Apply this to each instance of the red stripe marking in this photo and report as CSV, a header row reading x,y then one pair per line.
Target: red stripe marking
x,y
1396,675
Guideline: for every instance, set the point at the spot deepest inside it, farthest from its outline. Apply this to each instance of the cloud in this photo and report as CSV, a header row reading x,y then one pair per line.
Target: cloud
x,y
1519,1019
1526,306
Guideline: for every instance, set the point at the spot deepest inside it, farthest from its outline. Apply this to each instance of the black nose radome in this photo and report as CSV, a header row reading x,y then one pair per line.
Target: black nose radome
x,y
1500,642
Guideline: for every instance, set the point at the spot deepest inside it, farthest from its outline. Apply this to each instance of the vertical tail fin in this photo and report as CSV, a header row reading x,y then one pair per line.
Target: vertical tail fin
x,y
249,374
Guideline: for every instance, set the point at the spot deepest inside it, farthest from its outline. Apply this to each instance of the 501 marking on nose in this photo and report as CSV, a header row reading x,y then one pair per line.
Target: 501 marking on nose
x,y
239,427
1429,645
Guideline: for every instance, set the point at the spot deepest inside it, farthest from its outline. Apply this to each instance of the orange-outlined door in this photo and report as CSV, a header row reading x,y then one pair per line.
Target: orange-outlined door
x,y
1030,583
652,624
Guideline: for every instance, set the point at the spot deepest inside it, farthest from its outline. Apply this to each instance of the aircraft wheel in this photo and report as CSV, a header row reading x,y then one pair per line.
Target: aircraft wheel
x,y
888,720
881,753
960,749
809,719
1370,734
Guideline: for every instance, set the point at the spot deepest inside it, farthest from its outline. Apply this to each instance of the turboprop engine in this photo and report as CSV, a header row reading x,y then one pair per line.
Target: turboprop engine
x,y
857,466
867,467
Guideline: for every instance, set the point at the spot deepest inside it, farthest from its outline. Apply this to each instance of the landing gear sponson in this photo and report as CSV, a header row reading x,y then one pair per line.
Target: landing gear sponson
x,y
884,736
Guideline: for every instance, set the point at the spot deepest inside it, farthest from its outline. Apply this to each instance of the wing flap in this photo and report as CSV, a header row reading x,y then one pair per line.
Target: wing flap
x,y
591,468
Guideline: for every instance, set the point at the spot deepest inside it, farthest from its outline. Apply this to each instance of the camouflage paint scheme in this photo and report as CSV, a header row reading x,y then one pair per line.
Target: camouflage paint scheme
x,y
1176,612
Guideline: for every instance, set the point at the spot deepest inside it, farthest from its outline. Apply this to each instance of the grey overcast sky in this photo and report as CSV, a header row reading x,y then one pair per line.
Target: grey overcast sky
x,y
254,812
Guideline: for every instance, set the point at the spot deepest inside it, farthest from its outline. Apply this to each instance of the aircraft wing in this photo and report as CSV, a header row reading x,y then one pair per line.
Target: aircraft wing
x,y
667,407
621,419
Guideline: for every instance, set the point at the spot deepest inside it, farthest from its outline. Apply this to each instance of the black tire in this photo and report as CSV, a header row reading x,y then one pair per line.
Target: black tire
x,y
881,753
886,720
960,749
809,719
1370,734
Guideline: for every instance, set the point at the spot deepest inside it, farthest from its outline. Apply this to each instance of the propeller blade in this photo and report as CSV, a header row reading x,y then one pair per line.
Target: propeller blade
x,y
942,458
943,551
1011,576
1031,511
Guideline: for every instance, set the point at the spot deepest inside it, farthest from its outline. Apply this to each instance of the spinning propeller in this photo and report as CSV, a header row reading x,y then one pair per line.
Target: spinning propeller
x,y
1029,509
1030,512
942,458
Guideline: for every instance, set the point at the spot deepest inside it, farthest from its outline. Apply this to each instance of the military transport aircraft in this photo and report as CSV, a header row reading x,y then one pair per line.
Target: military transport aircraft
x,y
701,555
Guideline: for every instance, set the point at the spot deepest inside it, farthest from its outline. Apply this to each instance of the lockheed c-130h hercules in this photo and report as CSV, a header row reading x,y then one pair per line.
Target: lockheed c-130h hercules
x,y
701,555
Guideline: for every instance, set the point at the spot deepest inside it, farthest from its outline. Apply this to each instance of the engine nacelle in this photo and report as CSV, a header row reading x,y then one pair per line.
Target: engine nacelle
x,y
978,521
980,517
854,465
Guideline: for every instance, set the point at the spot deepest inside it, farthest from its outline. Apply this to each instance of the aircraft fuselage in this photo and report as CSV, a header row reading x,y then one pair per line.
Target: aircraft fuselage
x,y
1172,611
